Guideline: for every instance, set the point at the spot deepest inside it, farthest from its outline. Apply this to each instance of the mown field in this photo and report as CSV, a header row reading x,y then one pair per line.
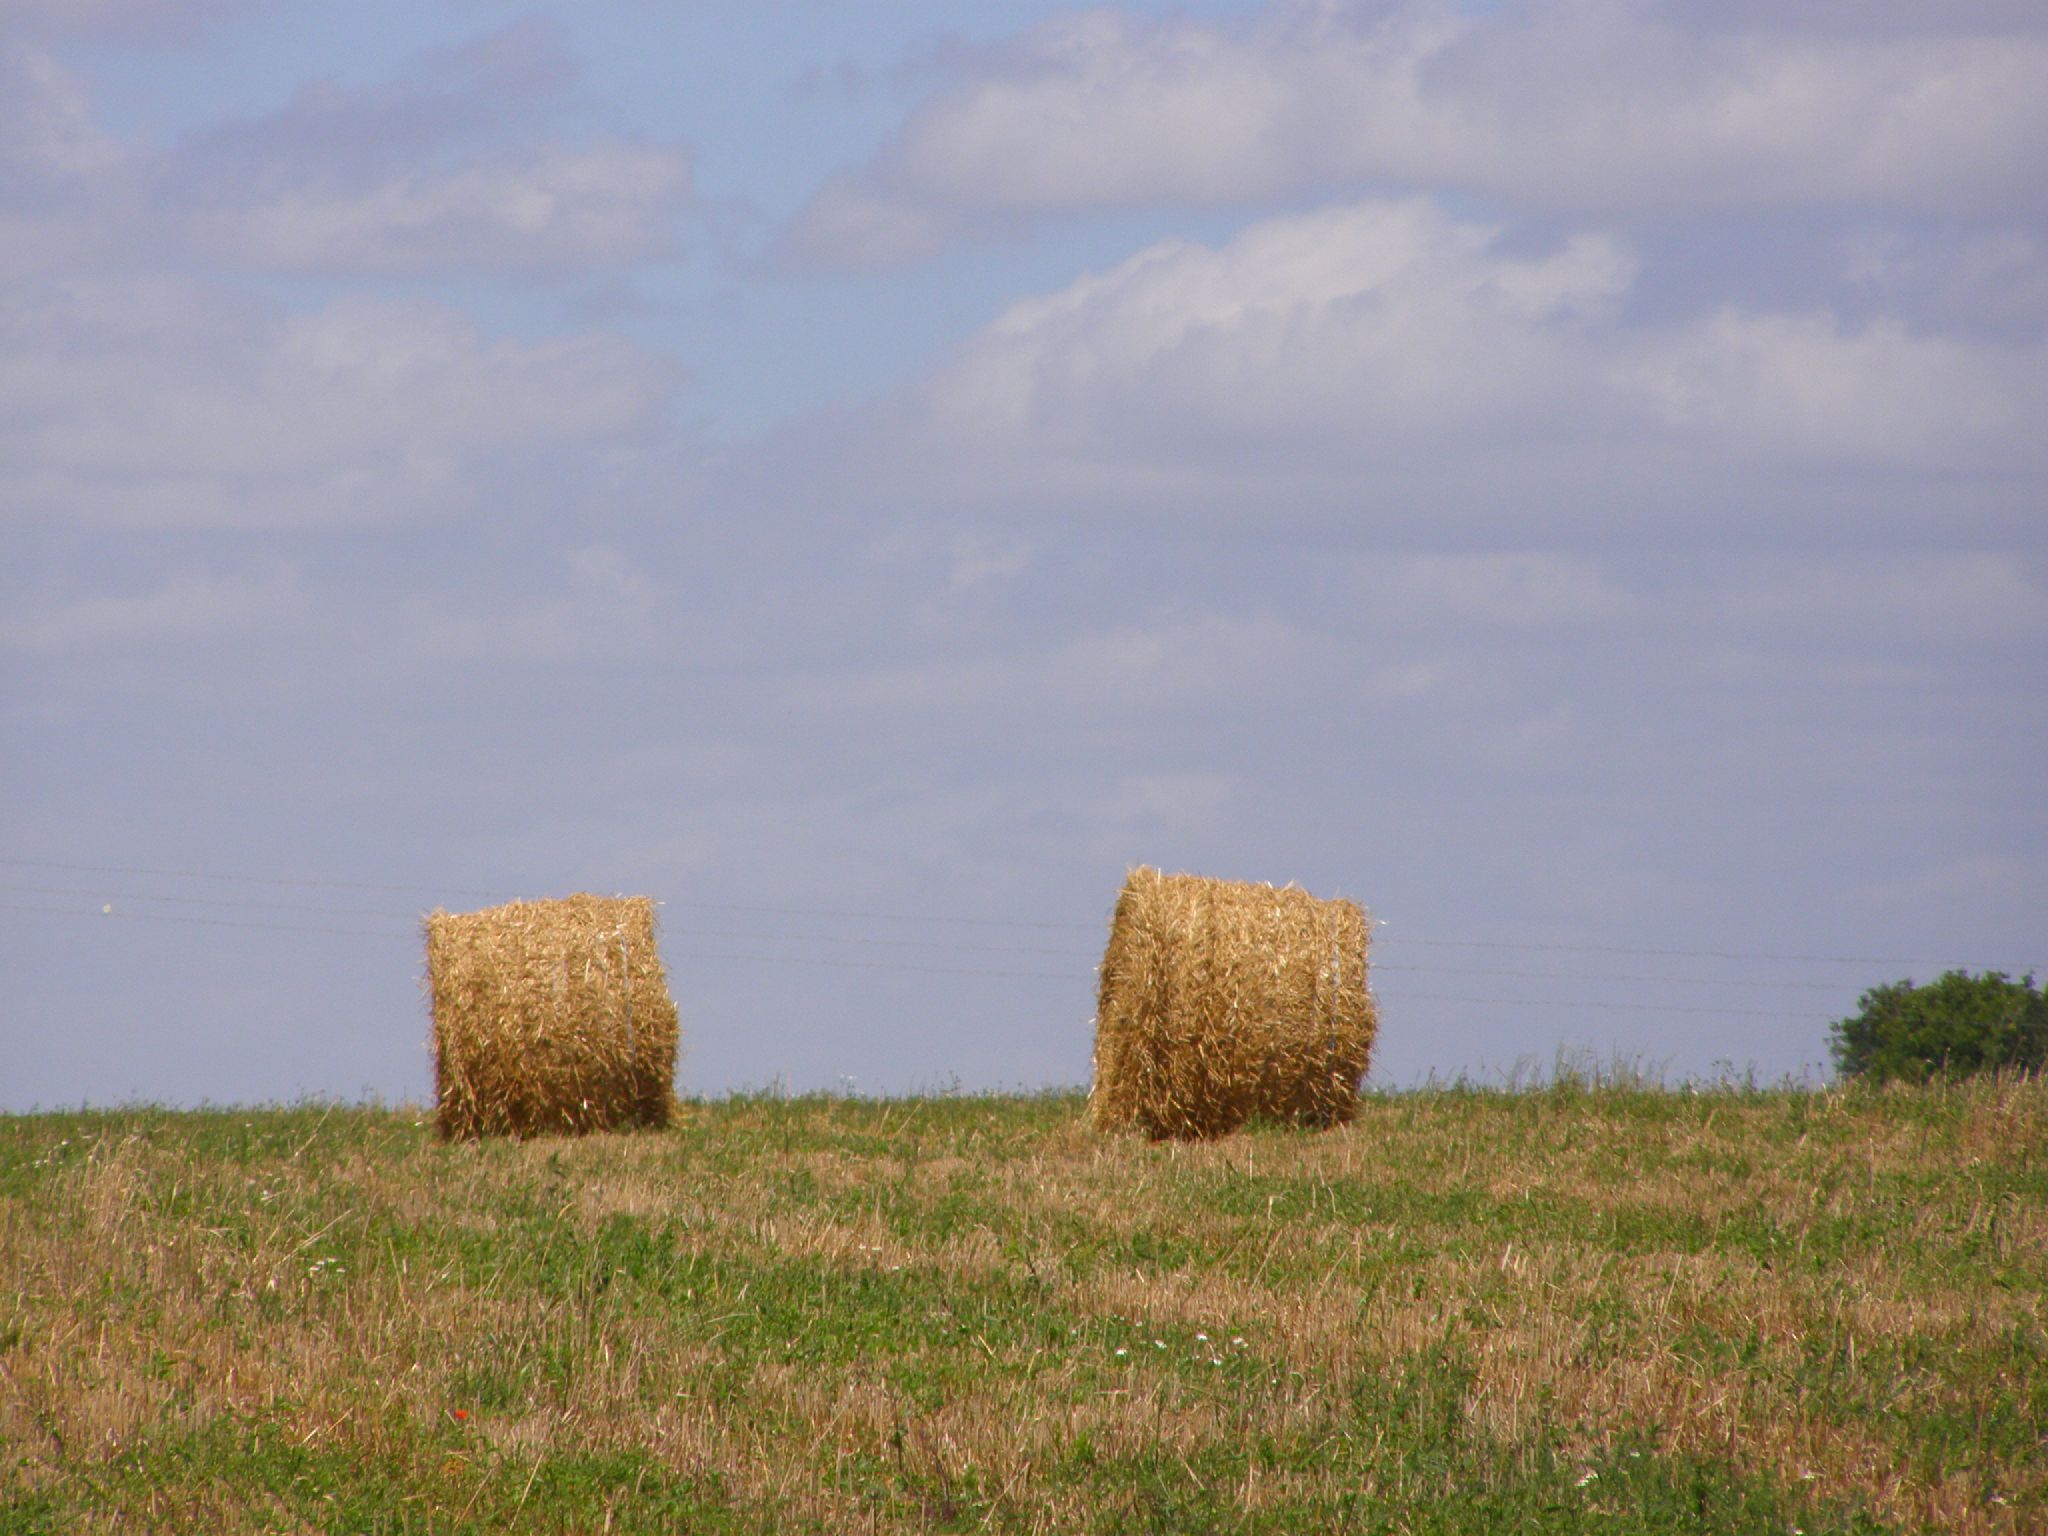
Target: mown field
x,y
1573,1309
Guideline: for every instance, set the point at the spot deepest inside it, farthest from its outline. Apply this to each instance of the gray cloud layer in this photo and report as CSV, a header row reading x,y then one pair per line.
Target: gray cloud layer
x,y
140,386
439,171
1591,106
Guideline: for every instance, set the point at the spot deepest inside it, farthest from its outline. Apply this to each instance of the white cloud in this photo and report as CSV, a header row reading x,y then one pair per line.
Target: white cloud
x,y
1808,386
1608,105
1390,353
1389,315
161,402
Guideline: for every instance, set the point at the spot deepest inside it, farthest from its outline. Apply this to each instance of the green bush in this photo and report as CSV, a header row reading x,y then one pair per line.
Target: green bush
x,y
1954,1026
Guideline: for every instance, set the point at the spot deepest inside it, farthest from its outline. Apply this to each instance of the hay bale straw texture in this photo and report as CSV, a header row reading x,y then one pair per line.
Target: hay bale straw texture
x,y
550,1018
1223,1002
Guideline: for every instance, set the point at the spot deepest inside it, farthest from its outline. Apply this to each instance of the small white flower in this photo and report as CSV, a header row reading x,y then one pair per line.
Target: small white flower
x,y
1159,1343
1201,1338
1122,1351
1237,1343
1589,1476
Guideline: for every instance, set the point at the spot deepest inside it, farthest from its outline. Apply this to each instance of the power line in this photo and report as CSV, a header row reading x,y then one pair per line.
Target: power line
x,y
837,938
700,906
190,901
383,933
719,933
1640,1010
1674,954
881,917
876,965
1380,966
1637,1008
869,915
200,874
206,922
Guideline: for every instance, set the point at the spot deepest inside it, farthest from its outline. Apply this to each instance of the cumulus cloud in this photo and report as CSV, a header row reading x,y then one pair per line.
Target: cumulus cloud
x,y
162,402
1808,387
1384,312
1387,345
1613,106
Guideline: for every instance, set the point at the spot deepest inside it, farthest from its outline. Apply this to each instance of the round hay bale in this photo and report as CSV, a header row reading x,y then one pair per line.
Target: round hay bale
x,y
1224,1002
550,1018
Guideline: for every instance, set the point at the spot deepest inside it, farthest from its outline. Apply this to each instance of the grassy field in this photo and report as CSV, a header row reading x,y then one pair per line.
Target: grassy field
x,y
1571,1309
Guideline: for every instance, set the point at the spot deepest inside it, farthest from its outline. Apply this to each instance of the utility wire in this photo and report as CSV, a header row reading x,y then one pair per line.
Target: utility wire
x,y
859,915
191,901
719,933
200,874
875,965
206,922
1638,1009
1671,954
449,890
1378,967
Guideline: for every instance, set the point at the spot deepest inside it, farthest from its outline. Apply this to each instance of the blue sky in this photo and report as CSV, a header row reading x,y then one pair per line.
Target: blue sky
x,y
1568,476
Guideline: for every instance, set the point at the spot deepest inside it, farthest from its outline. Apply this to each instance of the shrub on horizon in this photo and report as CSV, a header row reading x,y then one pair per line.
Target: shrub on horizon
x,y
1954,1026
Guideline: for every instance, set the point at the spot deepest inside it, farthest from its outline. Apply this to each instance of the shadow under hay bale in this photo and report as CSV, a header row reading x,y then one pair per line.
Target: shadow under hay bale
x,y
550,1018
1223,1002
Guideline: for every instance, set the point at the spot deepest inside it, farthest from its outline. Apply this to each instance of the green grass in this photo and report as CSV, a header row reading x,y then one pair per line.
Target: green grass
x,y
1616,1309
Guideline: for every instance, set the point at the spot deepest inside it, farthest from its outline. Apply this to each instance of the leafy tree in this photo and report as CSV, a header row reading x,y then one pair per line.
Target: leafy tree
x,y
1953,1026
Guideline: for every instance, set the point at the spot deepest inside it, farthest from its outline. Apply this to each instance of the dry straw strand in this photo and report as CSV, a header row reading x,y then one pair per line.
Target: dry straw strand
x,y
1223,1002
550,1018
